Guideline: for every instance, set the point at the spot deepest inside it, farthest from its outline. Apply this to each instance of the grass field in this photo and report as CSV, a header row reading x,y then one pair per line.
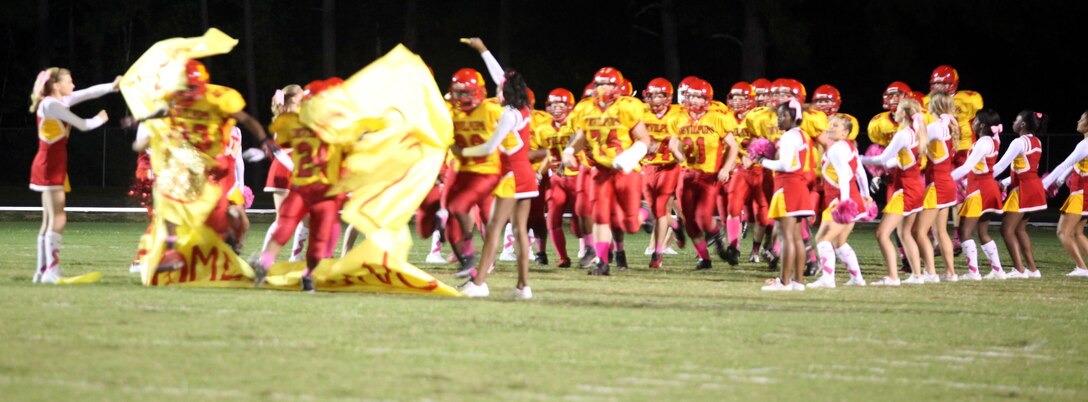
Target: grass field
x,y
665,335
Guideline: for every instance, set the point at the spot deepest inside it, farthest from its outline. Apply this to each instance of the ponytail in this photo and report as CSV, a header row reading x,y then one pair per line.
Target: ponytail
x,y
43,85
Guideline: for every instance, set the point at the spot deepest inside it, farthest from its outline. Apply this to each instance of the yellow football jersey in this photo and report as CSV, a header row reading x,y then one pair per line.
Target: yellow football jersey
x,y
761,122
660,132
315,161
608,131
720,107
475,128
556,140
206,123
540,123
702,139
882,128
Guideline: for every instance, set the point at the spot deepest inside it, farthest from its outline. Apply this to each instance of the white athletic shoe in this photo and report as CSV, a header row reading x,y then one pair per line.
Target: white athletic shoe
x,y
669,250
777,286
649,250
931,278
1014,274
508,255
582,252
971,276
1078,271
856,281
797,286
1033,274
995,275
51,276
825,282
435,257
524,293
470,289
135,268
37,276
887,281
914,280
950,278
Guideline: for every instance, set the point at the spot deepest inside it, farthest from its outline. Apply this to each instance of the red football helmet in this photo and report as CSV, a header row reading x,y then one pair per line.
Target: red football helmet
x,y
917,96
702,90
827,99
761,89
895,92
658,94
591,89
682,90
740,96
785,88
608,76
944,78
316,87
467,89
559,104
196,79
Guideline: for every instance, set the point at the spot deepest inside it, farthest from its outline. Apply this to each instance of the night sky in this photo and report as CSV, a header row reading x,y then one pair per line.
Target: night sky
x,y
1018,55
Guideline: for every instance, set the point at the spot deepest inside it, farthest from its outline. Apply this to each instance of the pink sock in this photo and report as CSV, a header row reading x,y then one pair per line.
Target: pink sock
x,y
700,250
267,259
732,228
601,248
659,248
827,257
777,247
970,251
643,214
804,230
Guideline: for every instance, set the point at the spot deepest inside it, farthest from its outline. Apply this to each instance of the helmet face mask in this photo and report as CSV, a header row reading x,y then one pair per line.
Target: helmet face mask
x,y
196,81
559,104
944,79
827,99
467,89
699,96
893,94
658,94
740,97
608,82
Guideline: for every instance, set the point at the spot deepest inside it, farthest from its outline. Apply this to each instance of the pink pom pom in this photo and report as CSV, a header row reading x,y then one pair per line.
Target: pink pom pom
x,y
961,193
874,170
761,148
247,195
845,212
871,209
1052,191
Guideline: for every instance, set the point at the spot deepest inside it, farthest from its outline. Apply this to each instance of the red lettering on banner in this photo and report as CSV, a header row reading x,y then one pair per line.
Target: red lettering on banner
x,y
382,278
226,268
209,259
432,285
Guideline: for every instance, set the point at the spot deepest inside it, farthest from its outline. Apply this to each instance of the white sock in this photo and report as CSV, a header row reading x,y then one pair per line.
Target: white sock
x,y
38,269
990,249
298,248
436,242
508,245
52,251
971,252
268,236
344,244
827,257
850,259
533,241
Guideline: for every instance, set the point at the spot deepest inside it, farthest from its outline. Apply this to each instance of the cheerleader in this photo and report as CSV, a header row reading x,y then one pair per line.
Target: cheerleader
x,y
50,99
983,196
1071,223
790,202
518,185
846,193
1025,191
943,133
278,183
906,192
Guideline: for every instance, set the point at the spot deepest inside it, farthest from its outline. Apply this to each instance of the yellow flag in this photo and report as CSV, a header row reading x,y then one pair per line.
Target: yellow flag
x,y
209,262
161,69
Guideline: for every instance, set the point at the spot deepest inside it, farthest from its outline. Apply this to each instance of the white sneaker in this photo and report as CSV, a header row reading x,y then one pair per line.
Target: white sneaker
x,y
856,281
1014,274
797,286
1078,271
50,276
950,278
914,280
582,252
825,282
37,276
971,276
470,289
669,250
887,281
508,255
1033,274
523,294
777,286
649,250
135,268
928,278
995,275
435,257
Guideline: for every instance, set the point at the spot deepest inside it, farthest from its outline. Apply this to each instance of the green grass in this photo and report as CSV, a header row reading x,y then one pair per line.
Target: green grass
x,y
638,335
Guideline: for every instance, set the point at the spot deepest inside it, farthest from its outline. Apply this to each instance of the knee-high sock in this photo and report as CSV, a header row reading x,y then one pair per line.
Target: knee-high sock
x,y
268,236
700,249
850,259
601,248
990,249
38,269
52,251
732,228
971,252
298,248
508,244
827,257
436,242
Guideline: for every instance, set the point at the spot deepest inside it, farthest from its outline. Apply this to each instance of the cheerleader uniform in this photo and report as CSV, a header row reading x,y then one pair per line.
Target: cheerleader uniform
x,y
1076,163
983,194
940,189
279,174
792,168
1025,191
511,137
50,169
843,179
906,191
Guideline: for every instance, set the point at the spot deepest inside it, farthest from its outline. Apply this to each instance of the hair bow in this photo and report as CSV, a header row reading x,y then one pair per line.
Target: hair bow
x,y
39,82
997,128
1039,115
277,98
796,106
